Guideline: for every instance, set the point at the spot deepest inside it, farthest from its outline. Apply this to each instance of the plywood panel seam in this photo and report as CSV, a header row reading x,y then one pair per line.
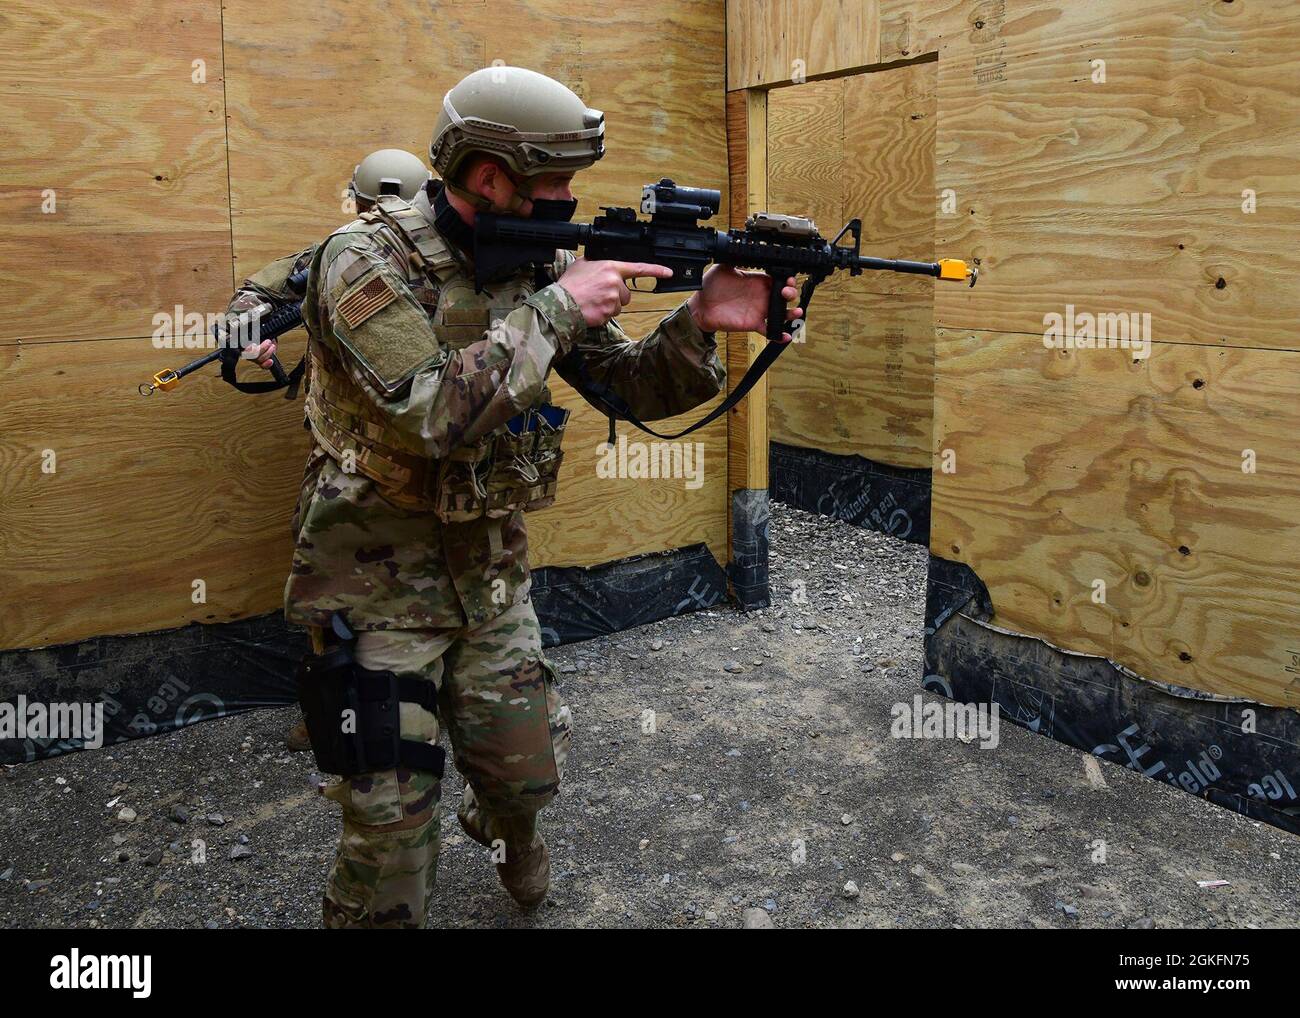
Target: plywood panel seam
x,y
1154,342
194,351
197,351
225,130
726,48
843,72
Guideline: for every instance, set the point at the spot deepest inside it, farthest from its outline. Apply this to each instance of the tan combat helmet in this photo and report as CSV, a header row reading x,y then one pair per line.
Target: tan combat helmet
x,y
531,122
389,171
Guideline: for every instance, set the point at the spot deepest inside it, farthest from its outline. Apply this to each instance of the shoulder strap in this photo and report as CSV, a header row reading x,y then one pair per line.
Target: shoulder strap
x,y
425,248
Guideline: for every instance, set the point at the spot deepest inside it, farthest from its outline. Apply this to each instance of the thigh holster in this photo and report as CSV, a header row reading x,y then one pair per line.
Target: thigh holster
x,y
353,715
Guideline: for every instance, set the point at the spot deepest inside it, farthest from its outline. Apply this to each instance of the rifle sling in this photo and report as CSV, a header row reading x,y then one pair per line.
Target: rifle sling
x,y
275,325
616,407
294,378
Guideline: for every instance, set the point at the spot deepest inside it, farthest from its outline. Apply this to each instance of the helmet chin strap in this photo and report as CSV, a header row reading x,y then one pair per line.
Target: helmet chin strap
x,y
481,204
554,209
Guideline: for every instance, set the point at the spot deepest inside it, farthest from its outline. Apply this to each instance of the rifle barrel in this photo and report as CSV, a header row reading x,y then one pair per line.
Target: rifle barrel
x,y
899,265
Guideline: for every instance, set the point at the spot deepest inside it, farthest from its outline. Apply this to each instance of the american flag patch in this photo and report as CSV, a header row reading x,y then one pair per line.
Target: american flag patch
x,y
361,303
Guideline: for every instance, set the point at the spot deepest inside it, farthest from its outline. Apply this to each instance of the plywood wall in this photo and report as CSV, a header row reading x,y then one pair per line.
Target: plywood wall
x,y
1103,155
187,144
113,171
775,41
1087,467
1126,195
860,146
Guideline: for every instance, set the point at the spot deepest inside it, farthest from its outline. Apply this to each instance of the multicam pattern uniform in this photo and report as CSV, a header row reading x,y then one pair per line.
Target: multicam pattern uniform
x,y
270,285
416,370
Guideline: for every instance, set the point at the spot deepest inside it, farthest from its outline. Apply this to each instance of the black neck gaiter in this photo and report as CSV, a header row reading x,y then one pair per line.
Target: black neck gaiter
x,y
448,220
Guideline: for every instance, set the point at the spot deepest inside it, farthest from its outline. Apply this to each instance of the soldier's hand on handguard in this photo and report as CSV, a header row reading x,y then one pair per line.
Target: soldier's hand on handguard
x,y
261,352
730,300
598,287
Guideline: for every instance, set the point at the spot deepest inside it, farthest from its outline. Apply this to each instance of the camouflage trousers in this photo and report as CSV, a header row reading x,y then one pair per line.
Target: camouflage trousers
x,y
509,732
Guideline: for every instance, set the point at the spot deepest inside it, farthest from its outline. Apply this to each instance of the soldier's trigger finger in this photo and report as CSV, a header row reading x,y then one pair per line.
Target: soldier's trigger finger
x,y
630,270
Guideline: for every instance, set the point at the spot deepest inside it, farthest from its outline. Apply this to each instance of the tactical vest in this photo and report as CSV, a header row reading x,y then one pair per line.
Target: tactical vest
x,y
514,468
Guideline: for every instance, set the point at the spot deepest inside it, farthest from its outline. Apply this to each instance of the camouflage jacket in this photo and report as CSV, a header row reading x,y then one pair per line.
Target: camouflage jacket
x,y
445,369
270,283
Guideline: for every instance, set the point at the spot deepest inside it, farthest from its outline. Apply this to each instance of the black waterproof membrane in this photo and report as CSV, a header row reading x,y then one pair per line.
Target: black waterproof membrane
x,y
893,500
579,604
751,511
158,682
1241,755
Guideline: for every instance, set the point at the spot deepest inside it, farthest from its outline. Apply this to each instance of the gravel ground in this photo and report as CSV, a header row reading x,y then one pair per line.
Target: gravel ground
x,y
769,792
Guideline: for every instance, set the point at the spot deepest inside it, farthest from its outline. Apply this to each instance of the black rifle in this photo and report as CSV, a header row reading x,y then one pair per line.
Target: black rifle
x,y
782,246
239,333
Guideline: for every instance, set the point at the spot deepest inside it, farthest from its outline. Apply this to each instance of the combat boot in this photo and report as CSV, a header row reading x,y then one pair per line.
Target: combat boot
x,y
528,877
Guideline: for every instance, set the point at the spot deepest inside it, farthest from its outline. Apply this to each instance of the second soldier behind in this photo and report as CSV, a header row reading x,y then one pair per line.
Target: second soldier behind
x,y
386,171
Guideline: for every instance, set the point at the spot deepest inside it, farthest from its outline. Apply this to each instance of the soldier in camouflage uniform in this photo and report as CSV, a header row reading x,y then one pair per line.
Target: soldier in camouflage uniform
x,y
433,432
384,171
